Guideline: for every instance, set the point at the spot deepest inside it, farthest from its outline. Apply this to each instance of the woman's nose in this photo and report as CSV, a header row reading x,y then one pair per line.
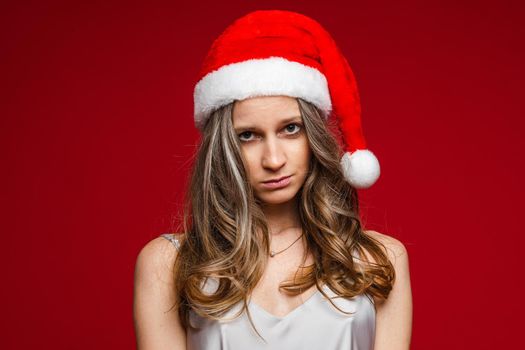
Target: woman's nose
x,y
274,156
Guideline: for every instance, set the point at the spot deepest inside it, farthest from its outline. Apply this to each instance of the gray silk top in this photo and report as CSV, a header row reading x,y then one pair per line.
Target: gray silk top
x,y
315,324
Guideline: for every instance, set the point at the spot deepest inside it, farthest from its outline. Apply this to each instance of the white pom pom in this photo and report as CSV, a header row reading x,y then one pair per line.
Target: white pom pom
x,y
361,168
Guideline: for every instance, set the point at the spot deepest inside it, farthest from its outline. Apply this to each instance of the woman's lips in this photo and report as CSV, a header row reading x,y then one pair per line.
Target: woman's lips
x,y
283,182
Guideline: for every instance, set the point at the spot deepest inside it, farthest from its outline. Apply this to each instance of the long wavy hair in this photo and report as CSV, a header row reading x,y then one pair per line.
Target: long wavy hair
x,y
226,236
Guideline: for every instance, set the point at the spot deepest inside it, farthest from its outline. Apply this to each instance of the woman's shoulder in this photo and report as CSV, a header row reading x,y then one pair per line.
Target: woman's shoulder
x,y
397,254
155,295
158,255
394,315
395,248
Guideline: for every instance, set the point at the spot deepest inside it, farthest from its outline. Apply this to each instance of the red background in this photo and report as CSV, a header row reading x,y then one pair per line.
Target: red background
x,y
96,133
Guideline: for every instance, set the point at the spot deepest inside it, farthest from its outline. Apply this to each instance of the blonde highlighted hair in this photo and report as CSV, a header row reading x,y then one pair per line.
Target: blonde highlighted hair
x,y
227,238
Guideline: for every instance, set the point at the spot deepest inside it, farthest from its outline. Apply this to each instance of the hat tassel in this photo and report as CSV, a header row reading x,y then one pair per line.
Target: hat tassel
x,y
360,168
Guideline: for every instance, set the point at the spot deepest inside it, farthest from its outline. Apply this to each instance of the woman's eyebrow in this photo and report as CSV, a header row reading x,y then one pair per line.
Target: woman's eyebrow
x,y
291,119
249,127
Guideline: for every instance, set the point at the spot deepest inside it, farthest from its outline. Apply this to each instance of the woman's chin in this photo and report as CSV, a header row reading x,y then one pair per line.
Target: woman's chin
x,y
277,196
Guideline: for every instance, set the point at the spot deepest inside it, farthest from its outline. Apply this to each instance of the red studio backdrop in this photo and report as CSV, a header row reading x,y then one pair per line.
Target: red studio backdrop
x,y
97,132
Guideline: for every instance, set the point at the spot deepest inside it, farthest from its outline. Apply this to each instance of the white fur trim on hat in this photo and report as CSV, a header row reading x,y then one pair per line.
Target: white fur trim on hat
x,y
260,77
360,168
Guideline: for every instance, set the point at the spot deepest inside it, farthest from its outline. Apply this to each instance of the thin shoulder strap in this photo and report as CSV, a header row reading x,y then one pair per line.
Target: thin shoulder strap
x,y
171,237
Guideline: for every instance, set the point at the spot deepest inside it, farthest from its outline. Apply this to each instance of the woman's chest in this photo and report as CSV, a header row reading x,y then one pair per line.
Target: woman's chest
x,y
314,324
277,301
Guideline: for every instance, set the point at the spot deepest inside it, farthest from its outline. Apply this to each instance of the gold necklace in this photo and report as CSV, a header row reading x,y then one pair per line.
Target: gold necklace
x,y
273,253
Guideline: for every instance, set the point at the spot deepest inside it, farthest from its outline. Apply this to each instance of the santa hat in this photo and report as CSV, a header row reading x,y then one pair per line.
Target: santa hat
x,y
276,52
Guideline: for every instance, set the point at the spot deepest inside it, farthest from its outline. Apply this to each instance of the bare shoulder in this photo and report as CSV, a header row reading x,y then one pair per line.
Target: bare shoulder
x,y
155,261
159,254
157,323
394,315
396,249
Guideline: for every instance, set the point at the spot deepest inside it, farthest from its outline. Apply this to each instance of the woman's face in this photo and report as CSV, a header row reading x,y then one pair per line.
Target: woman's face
x,y
274,145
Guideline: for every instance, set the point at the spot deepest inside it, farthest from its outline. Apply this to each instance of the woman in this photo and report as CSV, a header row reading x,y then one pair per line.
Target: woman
x,y
273,255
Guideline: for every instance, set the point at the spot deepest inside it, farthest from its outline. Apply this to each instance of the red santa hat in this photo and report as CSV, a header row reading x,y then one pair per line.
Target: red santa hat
x,y
274,52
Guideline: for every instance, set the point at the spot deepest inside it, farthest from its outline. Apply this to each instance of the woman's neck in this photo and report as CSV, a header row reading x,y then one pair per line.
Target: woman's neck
x,y
282,217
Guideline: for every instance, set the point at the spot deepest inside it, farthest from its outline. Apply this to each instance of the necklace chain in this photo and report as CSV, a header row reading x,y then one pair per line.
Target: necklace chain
x,y
274,253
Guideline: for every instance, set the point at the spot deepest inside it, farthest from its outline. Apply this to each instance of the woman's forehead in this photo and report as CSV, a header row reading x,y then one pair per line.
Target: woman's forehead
x,y
265,109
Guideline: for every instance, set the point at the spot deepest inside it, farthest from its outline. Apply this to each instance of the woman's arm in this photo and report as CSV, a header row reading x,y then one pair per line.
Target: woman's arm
x,y
157,324
394,316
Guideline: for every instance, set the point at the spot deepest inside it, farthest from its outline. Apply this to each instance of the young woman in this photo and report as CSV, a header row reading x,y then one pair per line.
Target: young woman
x,y
273,254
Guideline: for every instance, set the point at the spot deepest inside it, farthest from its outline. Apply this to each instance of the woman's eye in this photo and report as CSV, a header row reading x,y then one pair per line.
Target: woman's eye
x,y
293,128
245,136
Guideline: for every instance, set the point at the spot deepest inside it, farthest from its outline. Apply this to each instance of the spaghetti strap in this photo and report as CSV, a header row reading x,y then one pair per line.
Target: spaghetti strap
x,y
171,237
